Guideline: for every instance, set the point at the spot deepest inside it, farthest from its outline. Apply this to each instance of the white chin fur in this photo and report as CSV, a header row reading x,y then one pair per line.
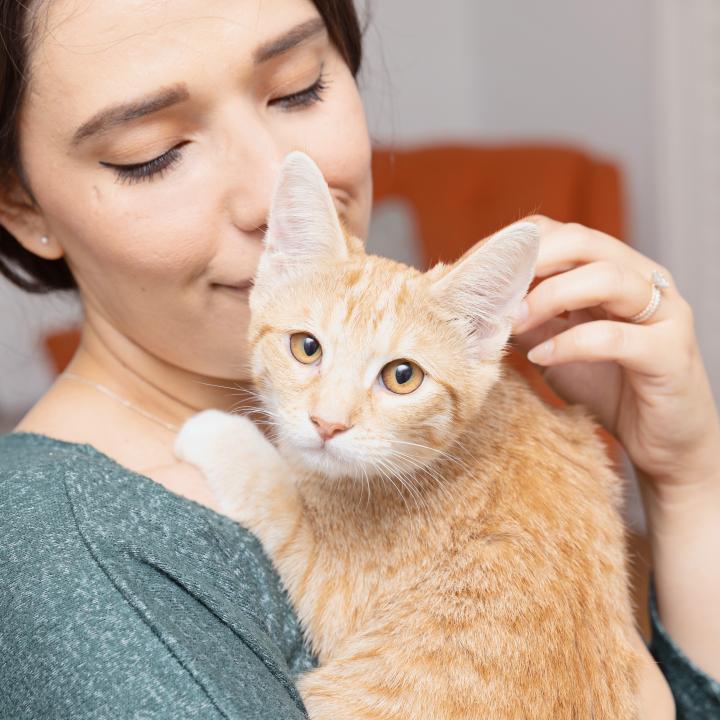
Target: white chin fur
x,y
327,462
335,463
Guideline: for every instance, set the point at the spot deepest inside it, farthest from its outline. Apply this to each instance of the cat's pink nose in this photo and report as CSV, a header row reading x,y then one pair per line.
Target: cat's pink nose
x,y
327,430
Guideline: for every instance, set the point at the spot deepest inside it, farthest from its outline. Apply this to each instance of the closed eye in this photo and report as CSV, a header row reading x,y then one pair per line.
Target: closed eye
x,y
304,98
137,172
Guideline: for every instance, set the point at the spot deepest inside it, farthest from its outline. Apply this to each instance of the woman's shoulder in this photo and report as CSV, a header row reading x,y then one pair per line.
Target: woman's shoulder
x,y
41,546
33,502
32,453
117,594
58,607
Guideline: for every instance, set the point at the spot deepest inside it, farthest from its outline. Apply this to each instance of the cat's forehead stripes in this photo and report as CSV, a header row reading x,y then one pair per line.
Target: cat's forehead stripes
x,y
262,332
360,291
354,313
373,291
371,316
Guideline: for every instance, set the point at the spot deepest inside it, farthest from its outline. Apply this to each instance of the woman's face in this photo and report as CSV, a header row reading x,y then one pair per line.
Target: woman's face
x,y
151,138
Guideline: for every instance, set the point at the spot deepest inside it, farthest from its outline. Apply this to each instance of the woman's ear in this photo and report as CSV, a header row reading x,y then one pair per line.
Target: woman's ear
x,y
20,216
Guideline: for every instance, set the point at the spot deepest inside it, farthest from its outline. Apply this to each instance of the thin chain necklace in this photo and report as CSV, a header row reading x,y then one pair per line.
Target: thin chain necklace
x,y
109,393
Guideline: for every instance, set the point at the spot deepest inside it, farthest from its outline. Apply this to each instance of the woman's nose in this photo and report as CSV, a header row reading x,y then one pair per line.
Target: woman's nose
x,y
252,163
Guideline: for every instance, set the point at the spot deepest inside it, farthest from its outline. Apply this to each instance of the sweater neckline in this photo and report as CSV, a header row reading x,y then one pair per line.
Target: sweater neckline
x,y
152,485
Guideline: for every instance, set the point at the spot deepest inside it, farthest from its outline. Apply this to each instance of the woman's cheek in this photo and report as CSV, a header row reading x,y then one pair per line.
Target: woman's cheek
x,y
149,231
337,138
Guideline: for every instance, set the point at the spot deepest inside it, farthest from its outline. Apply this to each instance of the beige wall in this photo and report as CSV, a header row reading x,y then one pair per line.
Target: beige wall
x,y
24,369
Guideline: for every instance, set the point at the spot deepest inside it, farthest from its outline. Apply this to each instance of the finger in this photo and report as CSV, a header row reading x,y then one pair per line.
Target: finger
x,y
569,245
602,341
574,244
545,224
527,340
614,288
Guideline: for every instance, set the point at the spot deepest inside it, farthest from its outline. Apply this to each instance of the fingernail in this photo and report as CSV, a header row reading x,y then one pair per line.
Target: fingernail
x,y
521,314
541,353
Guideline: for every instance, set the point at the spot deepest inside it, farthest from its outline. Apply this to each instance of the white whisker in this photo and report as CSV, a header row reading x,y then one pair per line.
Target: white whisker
x,y
387,476
443,453
222,387
398,475
428,471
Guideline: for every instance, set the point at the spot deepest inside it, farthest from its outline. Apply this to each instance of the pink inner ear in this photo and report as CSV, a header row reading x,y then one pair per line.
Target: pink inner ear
x,y
303,223
487,286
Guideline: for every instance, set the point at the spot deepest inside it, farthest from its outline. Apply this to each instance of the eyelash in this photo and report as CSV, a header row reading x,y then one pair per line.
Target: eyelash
x,y
304,98
155,168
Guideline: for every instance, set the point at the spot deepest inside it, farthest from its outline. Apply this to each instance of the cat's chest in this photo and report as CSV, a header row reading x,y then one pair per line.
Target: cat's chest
x,y
389,539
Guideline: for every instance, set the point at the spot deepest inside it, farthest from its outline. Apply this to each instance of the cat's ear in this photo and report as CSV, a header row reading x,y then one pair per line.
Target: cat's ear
x,y
303,225
483,289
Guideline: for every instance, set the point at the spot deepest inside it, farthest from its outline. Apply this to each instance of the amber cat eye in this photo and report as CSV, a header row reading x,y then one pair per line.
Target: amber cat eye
x,y
305,348
402,377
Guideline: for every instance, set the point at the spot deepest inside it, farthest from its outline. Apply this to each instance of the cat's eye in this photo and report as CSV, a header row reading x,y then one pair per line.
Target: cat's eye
x,y
402,377
305,348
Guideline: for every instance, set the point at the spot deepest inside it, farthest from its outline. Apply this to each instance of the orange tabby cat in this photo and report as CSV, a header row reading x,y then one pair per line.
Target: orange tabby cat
x,y
451,544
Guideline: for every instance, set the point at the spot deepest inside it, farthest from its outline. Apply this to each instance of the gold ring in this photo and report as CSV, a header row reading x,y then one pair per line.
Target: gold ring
x,y
659,282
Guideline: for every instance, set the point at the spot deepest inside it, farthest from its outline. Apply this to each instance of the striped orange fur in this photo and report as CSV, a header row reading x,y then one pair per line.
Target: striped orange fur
x,y
457,552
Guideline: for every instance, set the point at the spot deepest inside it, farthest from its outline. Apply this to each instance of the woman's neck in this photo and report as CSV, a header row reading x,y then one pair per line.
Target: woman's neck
x,y
168,392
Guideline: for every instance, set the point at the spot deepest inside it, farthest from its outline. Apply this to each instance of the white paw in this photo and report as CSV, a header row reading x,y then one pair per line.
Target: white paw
x,y
208,436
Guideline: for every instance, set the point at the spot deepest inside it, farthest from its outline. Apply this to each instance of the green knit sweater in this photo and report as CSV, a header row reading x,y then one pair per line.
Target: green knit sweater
x,y
119,599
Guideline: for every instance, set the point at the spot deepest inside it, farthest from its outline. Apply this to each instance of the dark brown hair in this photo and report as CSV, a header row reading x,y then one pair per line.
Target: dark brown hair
x,y
20,266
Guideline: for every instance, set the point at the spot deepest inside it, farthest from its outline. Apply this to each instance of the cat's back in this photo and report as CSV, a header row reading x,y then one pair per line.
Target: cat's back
x,y
539,447
514,595
539,477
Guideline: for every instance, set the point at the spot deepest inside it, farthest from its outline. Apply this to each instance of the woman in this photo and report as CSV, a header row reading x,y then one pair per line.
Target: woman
x,y
139,151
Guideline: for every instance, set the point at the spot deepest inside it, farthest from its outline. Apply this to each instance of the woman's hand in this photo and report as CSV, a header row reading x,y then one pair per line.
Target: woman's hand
x,y
647,385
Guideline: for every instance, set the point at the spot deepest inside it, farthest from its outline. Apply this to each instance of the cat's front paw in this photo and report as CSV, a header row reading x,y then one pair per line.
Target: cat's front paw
x,y
234,456
212,436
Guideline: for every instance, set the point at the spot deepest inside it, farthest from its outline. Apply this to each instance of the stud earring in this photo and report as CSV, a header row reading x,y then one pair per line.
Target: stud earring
x,y
44,240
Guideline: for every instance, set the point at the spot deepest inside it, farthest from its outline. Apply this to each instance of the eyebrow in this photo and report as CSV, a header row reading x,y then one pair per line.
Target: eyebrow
x,y
289,40
116,115
120,114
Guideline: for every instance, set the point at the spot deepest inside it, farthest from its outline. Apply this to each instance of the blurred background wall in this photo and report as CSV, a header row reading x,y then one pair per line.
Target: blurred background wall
x,y
25,369
580,73
637,84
